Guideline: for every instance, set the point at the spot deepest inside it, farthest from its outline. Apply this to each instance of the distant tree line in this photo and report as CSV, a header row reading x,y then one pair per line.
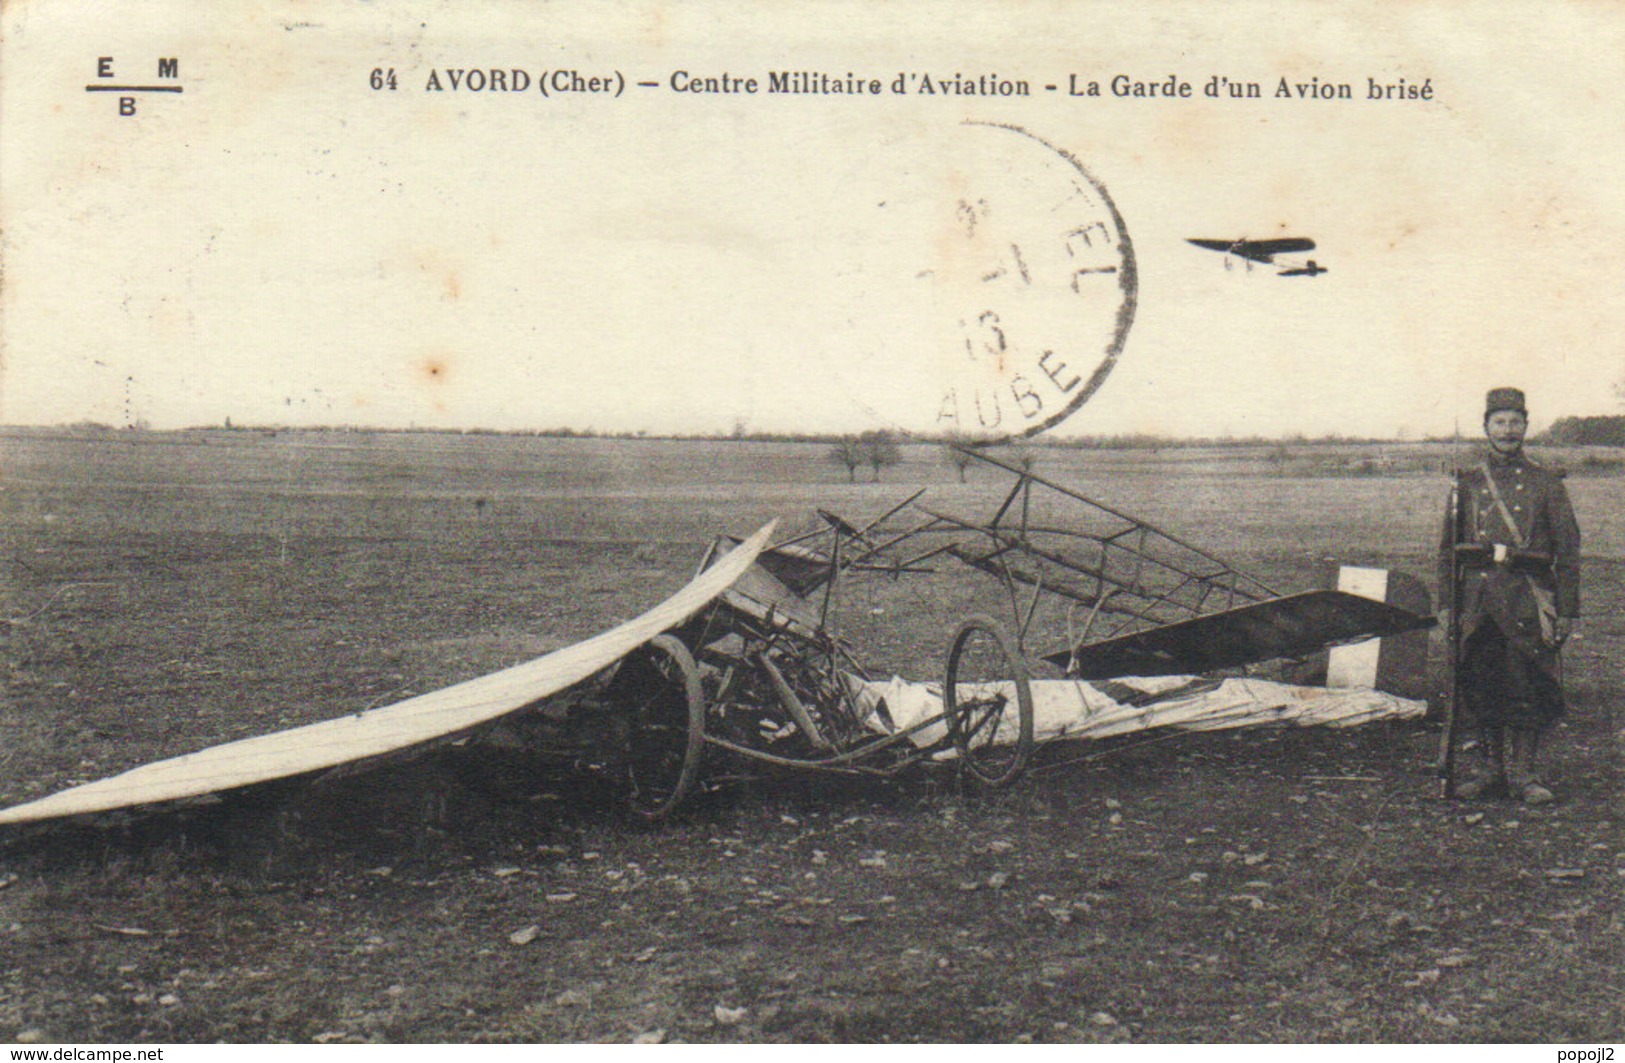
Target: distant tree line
x,y
1606,431
1567,431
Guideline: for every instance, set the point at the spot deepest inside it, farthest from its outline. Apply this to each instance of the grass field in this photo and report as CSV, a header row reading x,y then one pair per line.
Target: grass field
x,y
165,592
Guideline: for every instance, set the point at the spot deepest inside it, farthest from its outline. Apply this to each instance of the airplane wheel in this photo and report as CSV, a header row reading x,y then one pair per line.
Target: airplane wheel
x,y
988,702
660,684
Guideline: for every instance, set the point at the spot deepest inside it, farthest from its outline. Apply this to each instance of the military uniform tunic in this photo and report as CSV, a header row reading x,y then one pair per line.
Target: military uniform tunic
x,y
1509,671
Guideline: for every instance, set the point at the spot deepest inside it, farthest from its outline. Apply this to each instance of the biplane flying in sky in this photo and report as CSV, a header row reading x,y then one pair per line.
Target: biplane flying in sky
x,y
1077,622
1264,252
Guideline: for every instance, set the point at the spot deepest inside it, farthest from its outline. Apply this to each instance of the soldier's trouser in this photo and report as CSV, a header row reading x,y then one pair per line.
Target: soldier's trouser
x,y
1503,687
1491,778
1492,741
1525,748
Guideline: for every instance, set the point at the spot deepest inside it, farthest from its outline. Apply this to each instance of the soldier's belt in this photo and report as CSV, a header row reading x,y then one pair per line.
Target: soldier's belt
x,y
1479,555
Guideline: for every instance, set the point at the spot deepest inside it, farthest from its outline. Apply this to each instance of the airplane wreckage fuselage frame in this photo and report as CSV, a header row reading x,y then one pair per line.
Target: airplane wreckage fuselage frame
x,y
741,668
759,677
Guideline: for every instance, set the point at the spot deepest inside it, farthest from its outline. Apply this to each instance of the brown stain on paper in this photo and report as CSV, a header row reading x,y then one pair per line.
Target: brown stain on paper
x,y
434,369
440,270
431,376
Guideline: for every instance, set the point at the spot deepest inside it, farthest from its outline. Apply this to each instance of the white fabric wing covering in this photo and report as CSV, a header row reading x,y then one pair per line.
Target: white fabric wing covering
x,y
1075,708
375,732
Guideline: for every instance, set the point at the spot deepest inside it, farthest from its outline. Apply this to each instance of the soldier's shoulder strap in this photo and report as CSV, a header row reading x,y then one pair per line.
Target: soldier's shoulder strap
x,y
1501,508
1555,472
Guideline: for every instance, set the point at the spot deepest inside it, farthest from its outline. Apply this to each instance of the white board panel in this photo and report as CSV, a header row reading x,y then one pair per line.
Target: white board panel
x,y
1355,665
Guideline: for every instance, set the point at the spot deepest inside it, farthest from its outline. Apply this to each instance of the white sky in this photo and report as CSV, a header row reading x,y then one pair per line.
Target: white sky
x,y
281,244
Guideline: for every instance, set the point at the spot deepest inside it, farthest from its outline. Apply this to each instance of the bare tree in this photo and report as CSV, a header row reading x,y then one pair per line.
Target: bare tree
x,y
849,452
879,449
954,453
1022,457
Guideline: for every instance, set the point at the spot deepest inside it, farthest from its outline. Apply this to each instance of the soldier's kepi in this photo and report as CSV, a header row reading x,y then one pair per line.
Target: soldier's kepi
x,y
1510,564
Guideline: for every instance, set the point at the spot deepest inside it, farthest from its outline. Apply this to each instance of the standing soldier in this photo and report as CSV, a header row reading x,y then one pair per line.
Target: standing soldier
x,y
1515,546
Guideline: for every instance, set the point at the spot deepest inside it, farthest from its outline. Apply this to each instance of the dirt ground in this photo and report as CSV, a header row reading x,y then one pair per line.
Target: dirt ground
x,y
164,592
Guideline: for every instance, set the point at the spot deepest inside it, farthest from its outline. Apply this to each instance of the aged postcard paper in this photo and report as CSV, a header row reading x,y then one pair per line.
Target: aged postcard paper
x,y
390,393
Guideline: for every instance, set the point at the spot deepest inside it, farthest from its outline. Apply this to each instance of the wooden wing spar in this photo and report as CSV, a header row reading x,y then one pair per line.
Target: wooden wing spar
x,y
392,728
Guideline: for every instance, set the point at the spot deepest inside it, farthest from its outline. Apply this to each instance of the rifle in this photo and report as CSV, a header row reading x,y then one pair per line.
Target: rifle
x,y
1452,707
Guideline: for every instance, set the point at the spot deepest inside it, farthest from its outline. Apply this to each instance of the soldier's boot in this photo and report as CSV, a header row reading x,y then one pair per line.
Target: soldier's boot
x,y
1491,778
1524,779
